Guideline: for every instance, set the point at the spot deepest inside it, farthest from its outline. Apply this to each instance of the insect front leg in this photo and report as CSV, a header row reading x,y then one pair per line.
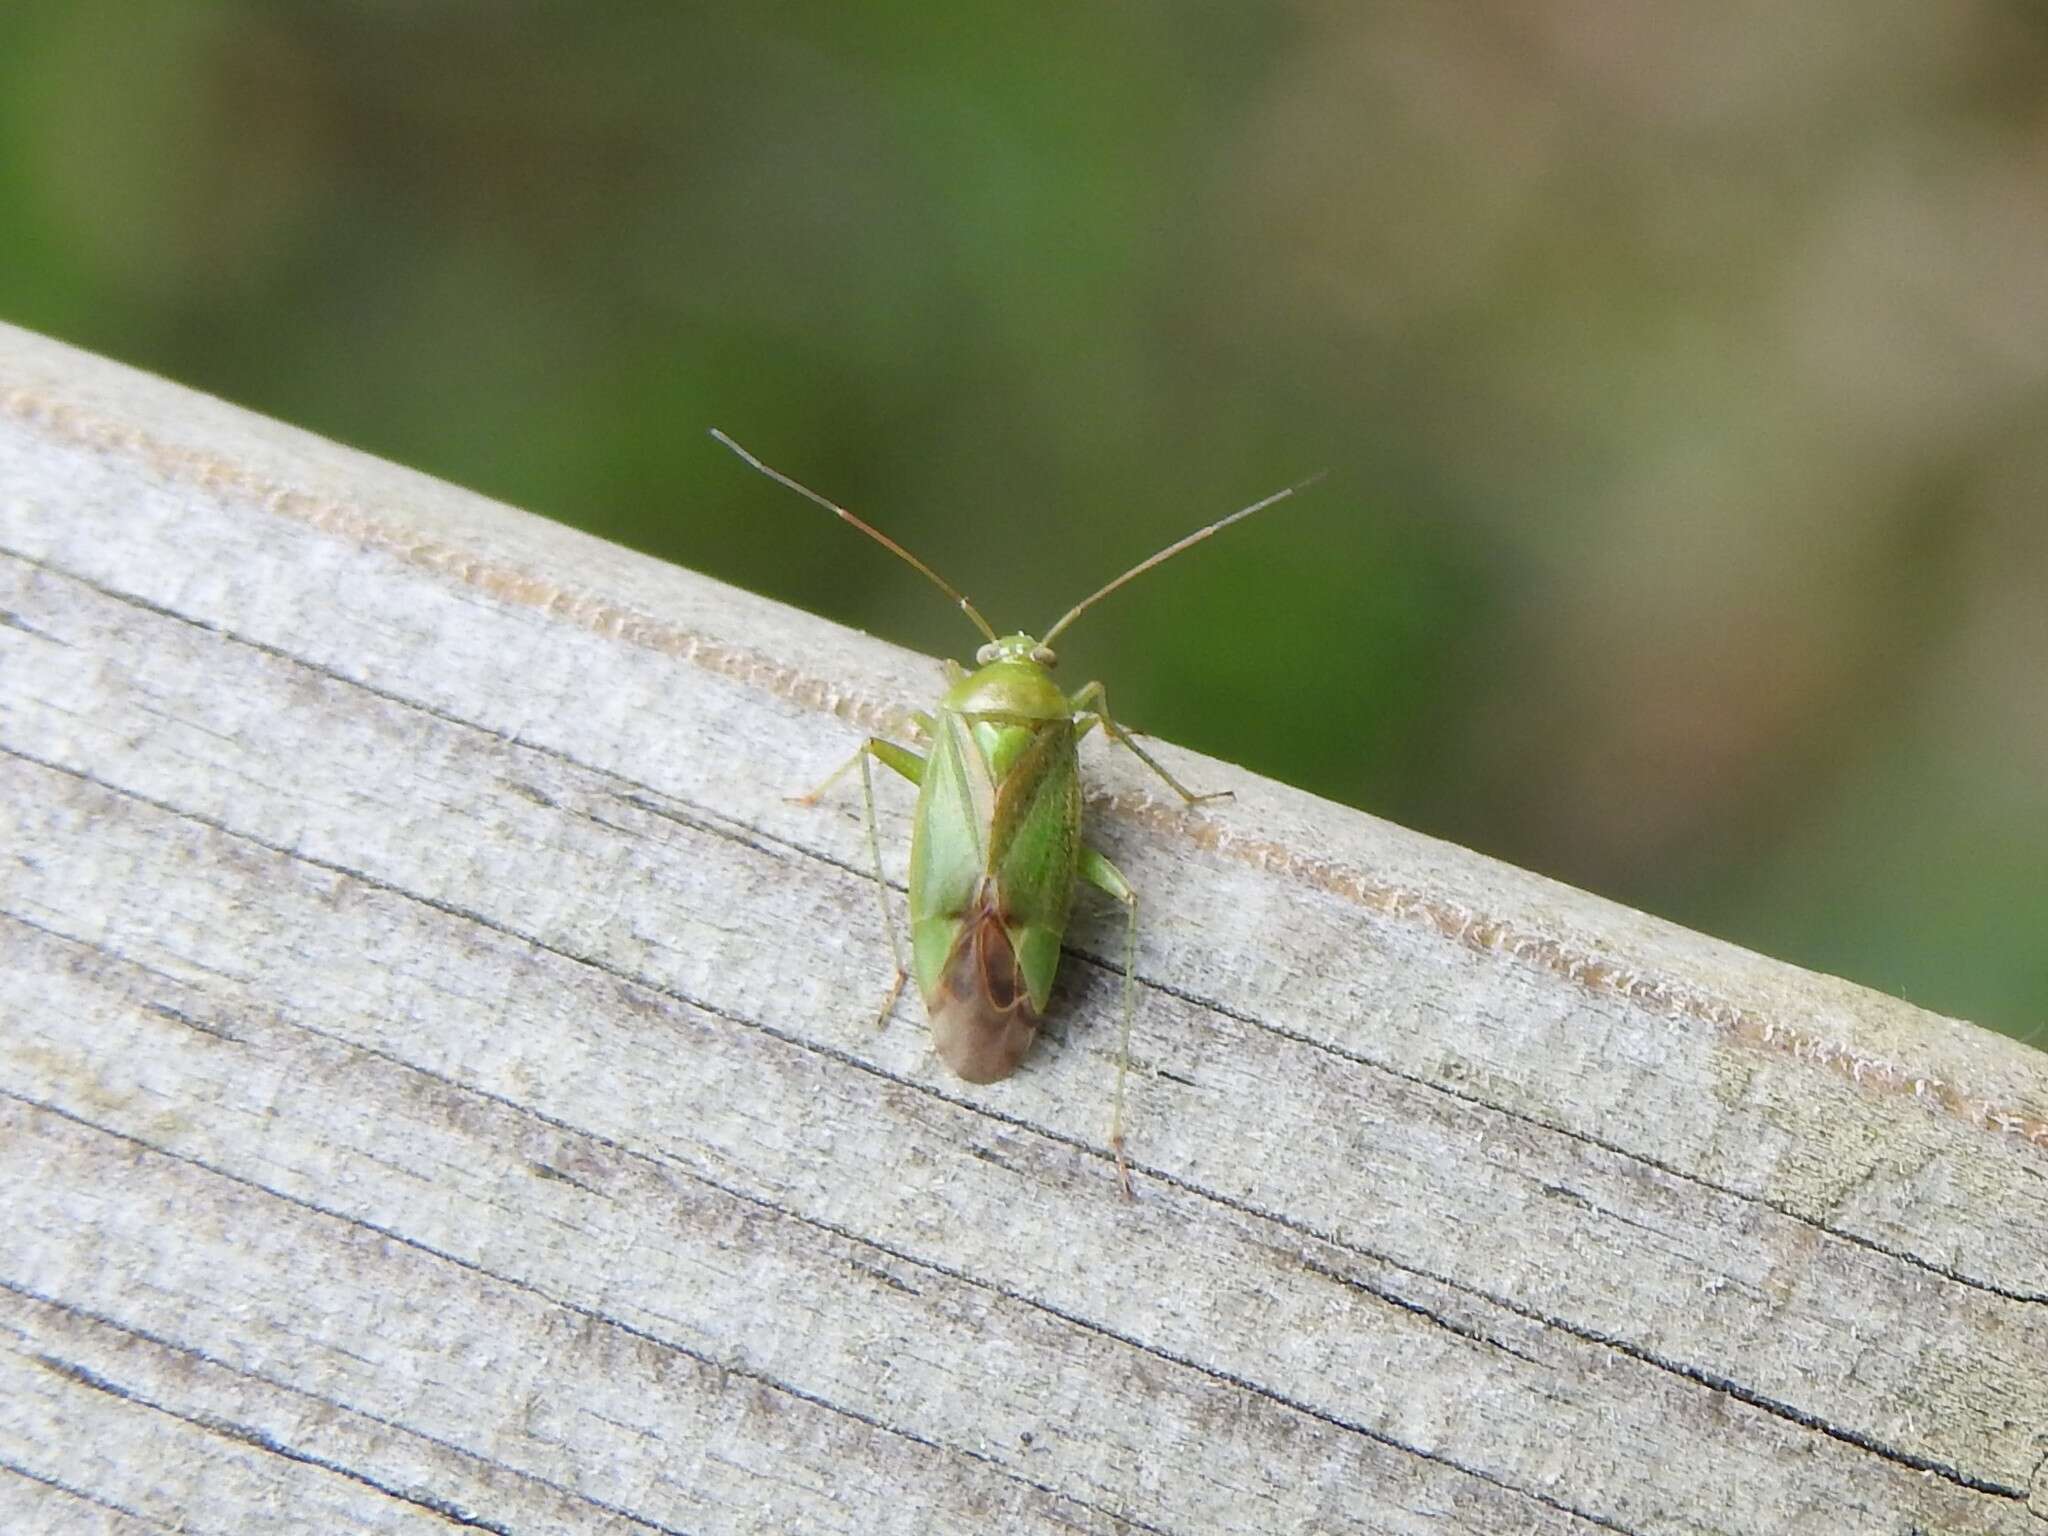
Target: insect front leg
x,y
1106,877
1093,700
911,766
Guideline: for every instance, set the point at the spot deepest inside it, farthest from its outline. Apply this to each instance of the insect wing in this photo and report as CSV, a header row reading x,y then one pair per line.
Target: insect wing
x,y
983,1020
948,847
1034,842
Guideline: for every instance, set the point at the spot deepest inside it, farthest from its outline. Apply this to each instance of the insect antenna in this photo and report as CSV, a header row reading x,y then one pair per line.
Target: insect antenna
x,y
1175,548
876,534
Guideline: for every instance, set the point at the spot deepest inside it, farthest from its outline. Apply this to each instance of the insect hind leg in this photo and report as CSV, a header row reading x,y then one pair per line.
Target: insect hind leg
x,y
1106,877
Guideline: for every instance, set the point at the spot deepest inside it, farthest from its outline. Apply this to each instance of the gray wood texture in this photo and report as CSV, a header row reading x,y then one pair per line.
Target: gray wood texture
x,y
440,1088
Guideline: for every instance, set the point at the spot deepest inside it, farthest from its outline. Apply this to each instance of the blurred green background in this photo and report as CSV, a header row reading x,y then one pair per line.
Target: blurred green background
x,y
1682,373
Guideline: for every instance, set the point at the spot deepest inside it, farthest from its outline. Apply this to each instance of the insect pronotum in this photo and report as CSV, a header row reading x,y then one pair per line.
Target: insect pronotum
x,y
995,849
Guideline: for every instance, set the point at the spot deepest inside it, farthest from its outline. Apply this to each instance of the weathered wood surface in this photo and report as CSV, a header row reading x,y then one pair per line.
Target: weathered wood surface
x,y
439,1087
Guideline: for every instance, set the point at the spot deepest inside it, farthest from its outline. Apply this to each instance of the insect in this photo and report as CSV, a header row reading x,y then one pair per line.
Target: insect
x,y
996,849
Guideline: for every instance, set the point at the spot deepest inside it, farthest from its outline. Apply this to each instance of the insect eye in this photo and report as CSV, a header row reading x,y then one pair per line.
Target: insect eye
x,y
1044,656
987,654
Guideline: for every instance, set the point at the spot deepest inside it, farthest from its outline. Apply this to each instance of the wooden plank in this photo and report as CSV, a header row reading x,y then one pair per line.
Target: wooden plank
x,y
440,1086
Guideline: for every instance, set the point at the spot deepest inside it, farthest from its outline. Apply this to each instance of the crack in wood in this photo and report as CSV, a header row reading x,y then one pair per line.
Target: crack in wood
x,y
203,1357
547,1171
82,1494
1412,1308
261,1440
179,1016
11,620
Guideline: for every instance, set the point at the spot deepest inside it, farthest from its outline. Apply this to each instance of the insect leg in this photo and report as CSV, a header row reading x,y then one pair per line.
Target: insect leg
x,y
902,759
1093,701
1106,877
911,766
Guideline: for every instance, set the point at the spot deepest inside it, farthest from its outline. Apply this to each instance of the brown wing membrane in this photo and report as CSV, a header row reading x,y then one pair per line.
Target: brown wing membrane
x,y
982,1018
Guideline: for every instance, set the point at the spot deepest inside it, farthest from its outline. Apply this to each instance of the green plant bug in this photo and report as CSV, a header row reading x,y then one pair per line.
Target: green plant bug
x,y
995,848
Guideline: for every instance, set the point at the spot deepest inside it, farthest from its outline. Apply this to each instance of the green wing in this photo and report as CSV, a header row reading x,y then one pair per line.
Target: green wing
x,y
948,845
1034,842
